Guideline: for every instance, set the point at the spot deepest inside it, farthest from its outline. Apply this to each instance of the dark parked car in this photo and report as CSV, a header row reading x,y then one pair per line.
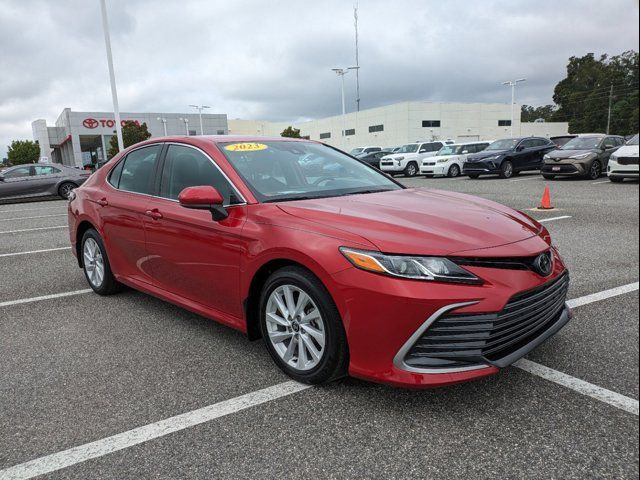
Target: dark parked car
x,y
39,180
508,157
373,158
584,156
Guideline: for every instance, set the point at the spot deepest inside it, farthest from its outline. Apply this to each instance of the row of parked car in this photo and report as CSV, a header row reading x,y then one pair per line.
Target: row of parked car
x,y
584,155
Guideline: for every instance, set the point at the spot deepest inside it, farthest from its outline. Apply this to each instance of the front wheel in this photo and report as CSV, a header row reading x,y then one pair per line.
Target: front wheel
x,y
95,264
595,171
411,170
506,170
454,171
302,328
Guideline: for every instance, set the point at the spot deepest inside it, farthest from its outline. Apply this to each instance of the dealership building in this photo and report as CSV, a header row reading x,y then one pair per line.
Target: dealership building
x,y
82,138
408,122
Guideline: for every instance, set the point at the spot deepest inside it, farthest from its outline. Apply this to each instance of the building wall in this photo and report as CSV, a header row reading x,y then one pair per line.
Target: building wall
x,y
403,123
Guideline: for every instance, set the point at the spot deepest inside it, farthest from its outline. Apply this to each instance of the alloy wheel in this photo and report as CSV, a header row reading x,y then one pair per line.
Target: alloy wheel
x,y
295,327
596,170
454,171
507,170
66,189
93,262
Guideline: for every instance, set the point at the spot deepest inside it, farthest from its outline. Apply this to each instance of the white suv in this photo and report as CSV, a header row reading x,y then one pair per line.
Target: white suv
x,y
407,160
450,159
623,163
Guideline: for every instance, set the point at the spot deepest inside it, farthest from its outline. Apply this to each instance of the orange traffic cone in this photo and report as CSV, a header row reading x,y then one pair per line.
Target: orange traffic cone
x,y
545,204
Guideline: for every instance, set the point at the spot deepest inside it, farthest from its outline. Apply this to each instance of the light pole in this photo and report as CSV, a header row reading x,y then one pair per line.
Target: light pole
x,y
164,124
186,125
200,108
112,76
341,72
512,84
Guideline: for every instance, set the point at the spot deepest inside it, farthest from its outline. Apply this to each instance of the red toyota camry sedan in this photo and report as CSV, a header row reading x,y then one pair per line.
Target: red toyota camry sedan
x,y
337,267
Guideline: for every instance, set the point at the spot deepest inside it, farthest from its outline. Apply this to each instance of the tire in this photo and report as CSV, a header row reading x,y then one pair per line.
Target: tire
x,y
506,169
279,333
616,179
474,175
546,176
411,170
595,171
454,171
92,250
65,189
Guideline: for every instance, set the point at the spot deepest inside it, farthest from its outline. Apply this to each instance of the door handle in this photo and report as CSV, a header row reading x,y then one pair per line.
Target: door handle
x,y
102,202
155,214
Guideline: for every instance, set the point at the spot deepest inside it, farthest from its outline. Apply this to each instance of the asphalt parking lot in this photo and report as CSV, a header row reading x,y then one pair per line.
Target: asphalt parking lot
x,y
82,368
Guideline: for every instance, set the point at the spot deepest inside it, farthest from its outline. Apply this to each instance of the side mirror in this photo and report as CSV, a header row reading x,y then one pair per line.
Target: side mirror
x,y
464,152
204,197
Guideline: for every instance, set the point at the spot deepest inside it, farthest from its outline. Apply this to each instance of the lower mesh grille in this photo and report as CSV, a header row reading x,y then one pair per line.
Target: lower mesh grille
x,y
464,340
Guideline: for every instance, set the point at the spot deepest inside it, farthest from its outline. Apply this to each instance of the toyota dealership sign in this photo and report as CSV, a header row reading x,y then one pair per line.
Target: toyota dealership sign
x,y
92,123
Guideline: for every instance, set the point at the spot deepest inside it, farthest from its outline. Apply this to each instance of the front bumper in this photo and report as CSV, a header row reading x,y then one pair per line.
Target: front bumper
x,y
433,168
566,169
628,168
482,167
387,166
384,317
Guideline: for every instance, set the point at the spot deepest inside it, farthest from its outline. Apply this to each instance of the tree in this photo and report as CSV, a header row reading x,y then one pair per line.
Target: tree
x,y
132,133
23,151
291,132
531,114
583,96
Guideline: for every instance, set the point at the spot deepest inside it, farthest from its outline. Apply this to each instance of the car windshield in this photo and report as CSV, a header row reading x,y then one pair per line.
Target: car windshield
x,y
356,151
506,144
410,148
633,140
582,143
285,170
450,150
560,141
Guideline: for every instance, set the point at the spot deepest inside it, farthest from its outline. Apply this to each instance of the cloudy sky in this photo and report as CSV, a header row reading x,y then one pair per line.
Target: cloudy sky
x,y
272,59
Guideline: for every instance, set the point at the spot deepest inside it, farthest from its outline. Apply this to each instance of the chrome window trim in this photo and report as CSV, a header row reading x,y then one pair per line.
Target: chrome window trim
x,y
398,360
233,186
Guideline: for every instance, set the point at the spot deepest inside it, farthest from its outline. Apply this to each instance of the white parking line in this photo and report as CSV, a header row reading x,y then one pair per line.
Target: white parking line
x,y
44,297
33,251
585,388
120,441
524,179
33,209
597,297
601,182
553,219
33,229
32,218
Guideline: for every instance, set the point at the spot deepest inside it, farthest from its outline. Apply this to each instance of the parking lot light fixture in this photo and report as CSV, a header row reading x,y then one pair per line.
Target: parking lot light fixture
x,y
200,108
512,84
164,124
186,125
341,72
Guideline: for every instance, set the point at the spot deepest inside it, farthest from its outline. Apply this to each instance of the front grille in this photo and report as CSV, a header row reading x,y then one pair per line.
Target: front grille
x,y
514,263
429,164
628,160
466,340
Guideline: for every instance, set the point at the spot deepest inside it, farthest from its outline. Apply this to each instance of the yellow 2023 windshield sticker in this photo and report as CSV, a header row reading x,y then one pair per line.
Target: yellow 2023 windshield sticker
x,y
246,147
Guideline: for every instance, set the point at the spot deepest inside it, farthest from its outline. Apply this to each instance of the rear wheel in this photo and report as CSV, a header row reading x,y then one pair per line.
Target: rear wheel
x,y
302,328
506,170
95,264
411,170
595,171
454,171
66,188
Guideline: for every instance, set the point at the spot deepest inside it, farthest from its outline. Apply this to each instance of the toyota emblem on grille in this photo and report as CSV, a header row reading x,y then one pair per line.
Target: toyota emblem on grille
x,y
543,264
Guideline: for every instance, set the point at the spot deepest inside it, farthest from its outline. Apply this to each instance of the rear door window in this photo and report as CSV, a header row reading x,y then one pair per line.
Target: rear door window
x,y
138,170
19,172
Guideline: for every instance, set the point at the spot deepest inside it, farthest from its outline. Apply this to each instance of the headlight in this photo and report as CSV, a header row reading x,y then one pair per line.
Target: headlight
x,y
495,157
580,156
613,157
416,268
443,160
546,157
399,158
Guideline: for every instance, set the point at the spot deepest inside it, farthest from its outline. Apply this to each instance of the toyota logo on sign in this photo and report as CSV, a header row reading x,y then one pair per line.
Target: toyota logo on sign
x,y
90,123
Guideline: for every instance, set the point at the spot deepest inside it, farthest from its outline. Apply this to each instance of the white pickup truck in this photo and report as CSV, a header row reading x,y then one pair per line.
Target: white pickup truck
x,y
407,160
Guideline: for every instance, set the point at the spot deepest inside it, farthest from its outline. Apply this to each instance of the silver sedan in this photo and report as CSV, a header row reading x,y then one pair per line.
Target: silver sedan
x,y
39,180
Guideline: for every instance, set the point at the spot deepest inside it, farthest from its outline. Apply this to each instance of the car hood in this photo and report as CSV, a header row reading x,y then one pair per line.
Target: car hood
x,y
419,221
486,154
569,153
627,151
445,157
